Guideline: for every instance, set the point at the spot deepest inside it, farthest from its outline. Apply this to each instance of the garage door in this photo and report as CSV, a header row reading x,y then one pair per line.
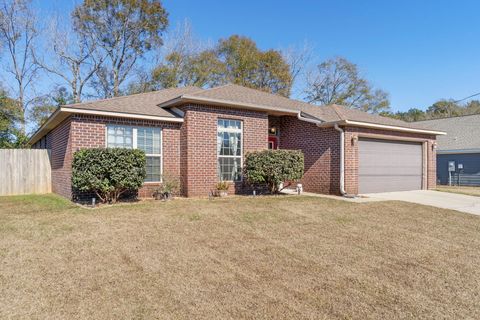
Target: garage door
x,y
386,166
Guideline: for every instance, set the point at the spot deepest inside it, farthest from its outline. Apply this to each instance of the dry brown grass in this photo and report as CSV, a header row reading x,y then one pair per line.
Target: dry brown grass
x,y
274,257
469,191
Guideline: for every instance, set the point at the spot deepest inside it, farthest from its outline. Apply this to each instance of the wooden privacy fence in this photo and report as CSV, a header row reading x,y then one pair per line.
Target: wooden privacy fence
x,y
25,171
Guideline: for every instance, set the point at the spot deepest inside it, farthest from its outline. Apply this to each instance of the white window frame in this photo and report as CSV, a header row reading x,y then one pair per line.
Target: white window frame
x,y
135,144
233,130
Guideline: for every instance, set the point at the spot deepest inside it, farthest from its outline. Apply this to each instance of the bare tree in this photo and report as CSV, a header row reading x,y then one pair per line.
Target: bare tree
x,y
75,59
183,41
337,81
299,59
18,32
124,31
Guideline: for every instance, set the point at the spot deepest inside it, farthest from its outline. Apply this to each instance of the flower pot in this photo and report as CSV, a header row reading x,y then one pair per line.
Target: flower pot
x,y
222,193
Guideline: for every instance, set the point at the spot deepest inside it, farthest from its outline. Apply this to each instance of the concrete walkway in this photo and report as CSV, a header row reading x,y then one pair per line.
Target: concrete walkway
x,y
445,200
328,196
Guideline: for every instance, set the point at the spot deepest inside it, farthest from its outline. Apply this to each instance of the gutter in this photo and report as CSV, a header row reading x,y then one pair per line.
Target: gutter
x,y
388,127
458,151
223,103
63,112
336,125
302,118
119,114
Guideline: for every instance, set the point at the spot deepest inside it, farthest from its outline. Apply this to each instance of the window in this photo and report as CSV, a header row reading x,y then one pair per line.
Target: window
x,y
146,139
229,149
119,137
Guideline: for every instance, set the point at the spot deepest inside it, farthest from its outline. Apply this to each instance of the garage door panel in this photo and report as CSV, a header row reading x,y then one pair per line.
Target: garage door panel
x,y
389,166
391,169
392,183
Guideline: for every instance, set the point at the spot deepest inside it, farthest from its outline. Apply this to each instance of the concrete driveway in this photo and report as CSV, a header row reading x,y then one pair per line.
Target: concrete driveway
x,y
445,200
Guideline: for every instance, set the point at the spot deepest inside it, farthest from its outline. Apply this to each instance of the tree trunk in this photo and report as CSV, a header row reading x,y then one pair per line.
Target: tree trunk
x,y
22,108
74,83
116,90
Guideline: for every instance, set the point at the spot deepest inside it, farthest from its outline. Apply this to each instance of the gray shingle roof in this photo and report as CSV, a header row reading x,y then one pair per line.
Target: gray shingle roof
x,y
142,103
330,113
148,104
463,133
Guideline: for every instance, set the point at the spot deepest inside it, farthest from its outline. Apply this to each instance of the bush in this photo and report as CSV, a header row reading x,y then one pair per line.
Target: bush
x,y
170,186
222,186
108,172
272,167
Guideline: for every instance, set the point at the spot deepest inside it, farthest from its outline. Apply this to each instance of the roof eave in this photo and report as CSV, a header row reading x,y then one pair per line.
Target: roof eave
x,y
458,151
185,99
63,112
381,126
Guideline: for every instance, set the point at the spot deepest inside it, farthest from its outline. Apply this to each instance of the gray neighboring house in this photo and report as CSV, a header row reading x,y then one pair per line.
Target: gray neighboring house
x,y
461,146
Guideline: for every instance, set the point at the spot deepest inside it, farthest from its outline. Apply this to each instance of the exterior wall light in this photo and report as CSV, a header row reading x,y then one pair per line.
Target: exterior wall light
x,y
273,131
354,140
434,145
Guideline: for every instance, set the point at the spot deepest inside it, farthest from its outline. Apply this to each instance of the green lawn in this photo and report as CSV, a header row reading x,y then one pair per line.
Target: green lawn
x,y
284,257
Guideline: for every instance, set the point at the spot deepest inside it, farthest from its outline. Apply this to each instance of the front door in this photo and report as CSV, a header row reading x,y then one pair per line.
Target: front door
x,y
272,142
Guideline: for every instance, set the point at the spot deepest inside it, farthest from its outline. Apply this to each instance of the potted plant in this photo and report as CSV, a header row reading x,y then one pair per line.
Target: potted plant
x,y
170,186
222,188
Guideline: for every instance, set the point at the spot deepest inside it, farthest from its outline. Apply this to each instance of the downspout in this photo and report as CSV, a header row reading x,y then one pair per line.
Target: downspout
x,y
342,159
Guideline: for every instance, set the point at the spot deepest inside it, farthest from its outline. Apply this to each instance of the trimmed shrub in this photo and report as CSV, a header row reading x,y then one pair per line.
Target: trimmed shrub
x,y
273,167
108,172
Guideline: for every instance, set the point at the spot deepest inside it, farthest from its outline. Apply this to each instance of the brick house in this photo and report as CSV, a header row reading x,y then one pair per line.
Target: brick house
x,y
202,135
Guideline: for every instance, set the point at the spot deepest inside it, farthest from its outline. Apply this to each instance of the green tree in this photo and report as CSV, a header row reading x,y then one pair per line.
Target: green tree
x,y
234,60
123,31
44,106
338,81
273,74
10,112
178,70
248,66
472,107
415,114
205,69
444,109
8,116
411,115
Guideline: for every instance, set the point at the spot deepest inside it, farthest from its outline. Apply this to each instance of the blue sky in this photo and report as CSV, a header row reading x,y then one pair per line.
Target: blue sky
x,y
418,51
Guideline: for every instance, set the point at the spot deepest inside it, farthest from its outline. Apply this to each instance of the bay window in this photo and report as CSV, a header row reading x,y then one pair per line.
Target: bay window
x,y
229,149
147,139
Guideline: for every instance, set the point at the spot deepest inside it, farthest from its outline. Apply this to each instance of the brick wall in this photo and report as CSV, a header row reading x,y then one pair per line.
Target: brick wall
x,y
351,153
320,147
44,143
199,144
322,153
61,158
88,131
190,149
